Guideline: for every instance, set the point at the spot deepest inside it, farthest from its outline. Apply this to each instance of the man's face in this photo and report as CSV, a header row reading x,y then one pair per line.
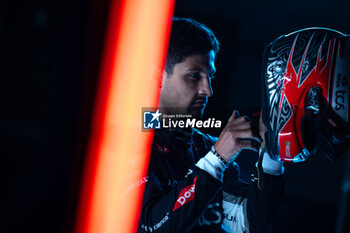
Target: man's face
x,y
187,89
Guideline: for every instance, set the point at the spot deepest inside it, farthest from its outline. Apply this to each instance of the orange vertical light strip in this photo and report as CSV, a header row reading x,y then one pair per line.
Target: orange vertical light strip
x,y
119,151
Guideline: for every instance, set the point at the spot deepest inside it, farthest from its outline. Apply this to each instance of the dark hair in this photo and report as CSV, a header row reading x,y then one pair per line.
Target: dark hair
x,y
188,37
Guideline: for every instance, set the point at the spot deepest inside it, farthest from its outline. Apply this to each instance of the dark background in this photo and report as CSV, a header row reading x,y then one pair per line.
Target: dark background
x,y
49,58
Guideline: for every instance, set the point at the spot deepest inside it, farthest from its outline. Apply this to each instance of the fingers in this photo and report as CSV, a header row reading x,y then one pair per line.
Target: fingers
x,y
242,128
248,134
249,146
235,115
238,134
240,120
262,126
241,125
262,130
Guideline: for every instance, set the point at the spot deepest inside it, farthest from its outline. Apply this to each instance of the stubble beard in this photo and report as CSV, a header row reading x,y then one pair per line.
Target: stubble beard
x,y
196,112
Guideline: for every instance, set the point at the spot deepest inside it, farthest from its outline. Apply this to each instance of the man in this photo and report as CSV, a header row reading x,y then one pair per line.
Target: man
x,y
193,182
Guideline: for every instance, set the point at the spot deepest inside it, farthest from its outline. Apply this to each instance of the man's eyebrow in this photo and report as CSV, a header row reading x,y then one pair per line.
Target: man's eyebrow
x,y
201,70
195,70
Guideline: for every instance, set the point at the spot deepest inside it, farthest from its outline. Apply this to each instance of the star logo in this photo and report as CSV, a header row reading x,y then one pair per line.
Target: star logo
x,y
151,120
155,115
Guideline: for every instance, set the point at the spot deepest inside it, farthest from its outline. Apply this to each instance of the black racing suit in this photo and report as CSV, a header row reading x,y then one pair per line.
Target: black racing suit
x,y
181,197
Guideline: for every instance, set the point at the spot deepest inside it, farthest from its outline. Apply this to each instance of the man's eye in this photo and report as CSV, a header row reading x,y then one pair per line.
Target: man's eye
x,y
195,76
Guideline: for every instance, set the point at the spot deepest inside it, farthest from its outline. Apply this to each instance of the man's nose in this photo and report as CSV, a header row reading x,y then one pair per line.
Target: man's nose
x,y
205,88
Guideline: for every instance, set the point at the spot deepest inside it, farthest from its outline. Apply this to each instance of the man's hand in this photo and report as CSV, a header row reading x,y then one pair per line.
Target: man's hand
x,y
237,135
262,130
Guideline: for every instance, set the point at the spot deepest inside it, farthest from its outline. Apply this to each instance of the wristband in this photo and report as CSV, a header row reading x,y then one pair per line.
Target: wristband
x,y
222,161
